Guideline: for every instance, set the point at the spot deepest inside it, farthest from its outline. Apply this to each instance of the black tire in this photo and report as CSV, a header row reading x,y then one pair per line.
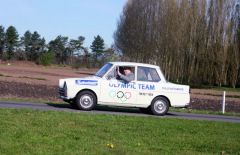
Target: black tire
x,y
86,100
71,102
66,100
159,106
145,110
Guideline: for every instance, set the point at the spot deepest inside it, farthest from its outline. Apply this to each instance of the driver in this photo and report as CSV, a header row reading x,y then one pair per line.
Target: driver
x,y
129,76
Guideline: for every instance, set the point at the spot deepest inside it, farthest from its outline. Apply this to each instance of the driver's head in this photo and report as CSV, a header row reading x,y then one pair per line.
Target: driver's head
x,y
127,70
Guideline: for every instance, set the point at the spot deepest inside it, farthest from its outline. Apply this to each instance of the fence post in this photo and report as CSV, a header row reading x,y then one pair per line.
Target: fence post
x,y
223,103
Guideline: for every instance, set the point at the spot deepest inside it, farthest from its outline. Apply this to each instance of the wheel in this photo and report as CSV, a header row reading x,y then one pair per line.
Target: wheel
x,y
159,106
145,110
86,100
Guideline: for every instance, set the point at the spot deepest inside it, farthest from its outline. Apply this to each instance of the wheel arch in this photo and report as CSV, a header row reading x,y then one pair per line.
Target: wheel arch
x,y
165,98
87,90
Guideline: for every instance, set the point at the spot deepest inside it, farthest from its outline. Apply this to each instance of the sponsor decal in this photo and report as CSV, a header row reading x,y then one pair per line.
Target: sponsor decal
x,y
169,88
132,86
146,86
146,94
87,82
116,96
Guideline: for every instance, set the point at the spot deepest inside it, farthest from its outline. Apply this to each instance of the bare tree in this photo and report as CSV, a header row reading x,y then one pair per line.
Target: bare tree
x,y
192,40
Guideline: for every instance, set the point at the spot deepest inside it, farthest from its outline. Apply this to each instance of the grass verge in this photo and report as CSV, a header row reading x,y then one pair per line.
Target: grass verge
x,y
219,88
26,131
25,77
204,112
219,95
6,75
35,101
33,78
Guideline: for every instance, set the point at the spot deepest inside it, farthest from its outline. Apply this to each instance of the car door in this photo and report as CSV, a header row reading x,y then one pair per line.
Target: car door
x,y
147,82
116,91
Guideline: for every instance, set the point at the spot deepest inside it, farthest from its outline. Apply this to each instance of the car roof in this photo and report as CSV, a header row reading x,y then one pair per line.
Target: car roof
x,y
133,64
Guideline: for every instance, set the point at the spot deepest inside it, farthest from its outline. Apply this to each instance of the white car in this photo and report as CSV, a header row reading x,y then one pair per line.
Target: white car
x,y
150,91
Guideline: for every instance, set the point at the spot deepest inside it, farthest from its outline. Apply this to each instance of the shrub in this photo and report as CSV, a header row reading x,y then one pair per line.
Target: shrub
x,y
77,65
89,66
38,61
5,56
47,58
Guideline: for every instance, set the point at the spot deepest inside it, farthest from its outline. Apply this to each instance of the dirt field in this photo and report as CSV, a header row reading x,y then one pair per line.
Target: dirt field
x,y
34,89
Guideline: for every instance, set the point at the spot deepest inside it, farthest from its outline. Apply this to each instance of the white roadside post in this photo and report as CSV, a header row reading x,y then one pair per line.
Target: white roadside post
x,y
223,103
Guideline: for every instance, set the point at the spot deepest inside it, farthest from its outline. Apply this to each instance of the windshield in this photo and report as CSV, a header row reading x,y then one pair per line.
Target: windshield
x,y
103,70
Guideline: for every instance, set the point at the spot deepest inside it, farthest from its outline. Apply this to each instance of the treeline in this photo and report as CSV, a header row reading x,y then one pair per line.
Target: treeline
x,y
193,41
61,51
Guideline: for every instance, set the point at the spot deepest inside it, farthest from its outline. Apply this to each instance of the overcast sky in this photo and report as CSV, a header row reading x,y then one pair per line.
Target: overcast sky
x,y
70,18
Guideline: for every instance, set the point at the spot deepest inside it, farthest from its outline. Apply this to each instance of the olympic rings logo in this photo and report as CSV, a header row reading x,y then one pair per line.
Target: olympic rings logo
x,y
119,96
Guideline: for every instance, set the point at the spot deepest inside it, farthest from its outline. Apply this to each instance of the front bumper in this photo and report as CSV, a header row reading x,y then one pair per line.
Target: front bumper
x,y
63,97
187,105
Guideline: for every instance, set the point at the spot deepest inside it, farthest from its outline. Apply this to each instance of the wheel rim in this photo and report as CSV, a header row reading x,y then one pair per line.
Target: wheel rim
x,y
86,101
160,106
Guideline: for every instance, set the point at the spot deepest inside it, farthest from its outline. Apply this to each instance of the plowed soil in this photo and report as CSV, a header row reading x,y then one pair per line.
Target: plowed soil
x,y
30,88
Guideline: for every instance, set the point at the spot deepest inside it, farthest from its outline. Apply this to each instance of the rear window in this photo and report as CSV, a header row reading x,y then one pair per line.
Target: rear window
x,y
147,74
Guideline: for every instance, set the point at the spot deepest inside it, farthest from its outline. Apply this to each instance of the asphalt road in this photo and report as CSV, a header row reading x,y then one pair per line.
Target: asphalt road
x,y
114,111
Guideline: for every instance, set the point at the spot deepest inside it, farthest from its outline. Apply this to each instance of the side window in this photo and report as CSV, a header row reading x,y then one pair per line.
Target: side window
x,y
147,74
121,70
112,74
154,75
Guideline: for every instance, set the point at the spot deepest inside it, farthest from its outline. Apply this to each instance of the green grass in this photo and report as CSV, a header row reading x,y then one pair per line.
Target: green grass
x,y
35,101
226,89
219,95
220,88
39,79
24,131
230,96
204,112
32,78
8,76
25,77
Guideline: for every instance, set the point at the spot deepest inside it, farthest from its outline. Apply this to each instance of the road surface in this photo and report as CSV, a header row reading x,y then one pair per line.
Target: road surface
x,y
114,111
